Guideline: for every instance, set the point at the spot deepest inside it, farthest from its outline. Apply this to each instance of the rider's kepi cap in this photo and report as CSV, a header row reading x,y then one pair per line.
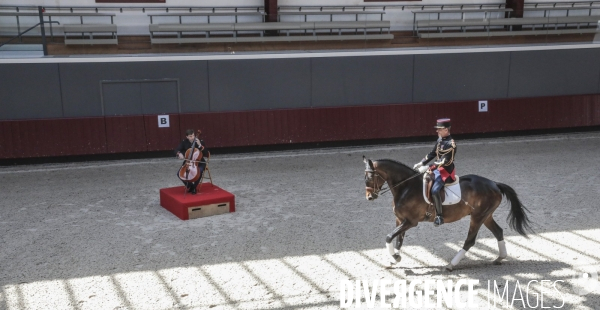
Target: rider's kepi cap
x,y
442,123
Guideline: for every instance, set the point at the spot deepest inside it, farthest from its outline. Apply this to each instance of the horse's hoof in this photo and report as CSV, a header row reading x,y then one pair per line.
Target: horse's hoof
x,y
498,261
449,267
397,257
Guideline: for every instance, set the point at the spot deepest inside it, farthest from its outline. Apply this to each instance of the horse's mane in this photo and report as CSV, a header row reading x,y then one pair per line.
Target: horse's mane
x,y
394,162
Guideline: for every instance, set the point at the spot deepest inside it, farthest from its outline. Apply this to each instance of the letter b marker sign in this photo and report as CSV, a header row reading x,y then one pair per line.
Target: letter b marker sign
x,y
163,121
483,106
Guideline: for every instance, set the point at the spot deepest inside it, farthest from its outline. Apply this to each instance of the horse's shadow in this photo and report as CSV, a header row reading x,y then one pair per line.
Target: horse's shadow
x,y
500,277
475,268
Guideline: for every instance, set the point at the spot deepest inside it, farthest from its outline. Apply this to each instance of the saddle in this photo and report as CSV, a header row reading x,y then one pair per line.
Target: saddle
x,y
451,190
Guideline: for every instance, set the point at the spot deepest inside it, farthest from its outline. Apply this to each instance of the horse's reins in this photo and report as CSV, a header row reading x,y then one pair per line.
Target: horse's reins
x,y
377,191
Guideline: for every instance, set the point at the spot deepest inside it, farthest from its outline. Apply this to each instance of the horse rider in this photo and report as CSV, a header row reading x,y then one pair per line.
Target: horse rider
x,y
443,168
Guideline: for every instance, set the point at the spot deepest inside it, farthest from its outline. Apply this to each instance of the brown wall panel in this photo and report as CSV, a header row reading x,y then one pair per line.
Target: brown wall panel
x,y
220,128
162,138
260,133
75,136
6,141
595,110
202,121
539,113
57,137
239,126
125,134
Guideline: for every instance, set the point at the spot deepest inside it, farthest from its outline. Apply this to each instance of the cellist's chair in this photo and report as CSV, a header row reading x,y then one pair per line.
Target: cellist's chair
x,y
206,170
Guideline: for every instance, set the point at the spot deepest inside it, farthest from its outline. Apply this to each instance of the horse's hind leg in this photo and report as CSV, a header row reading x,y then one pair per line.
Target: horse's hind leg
x,y
469,242
499,234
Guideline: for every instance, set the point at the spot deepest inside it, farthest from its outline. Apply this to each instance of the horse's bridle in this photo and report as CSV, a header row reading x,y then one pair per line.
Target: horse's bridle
x,y
375,191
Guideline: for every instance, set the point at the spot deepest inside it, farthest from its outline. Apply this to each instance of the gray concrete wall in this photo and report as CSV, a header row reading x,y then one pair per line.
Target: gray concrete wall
x,y
30,91
81,84
137,97
453,77
259,84
96,89
345,81
553,73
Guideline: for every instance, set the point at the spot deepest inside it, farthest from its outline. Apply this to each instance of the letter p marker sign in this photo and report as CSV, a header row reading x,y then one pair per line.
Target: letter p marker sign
x,y
163,121
483,106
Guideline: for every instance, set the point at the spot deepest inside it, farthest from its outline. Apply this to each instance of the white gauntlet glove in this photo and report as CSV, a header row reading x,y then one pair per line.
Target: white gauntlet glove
x,y
422,169
417,166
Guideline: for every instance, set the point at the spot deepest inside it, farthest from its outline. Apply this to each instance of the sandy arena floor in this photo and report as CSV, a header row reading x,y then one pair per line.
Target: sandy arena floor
x,y
93,235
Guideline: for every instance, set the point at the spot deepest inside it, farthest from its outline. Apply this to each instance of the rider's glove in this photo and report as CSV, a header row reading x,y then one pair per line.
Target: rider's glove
x,y
422,169
417,165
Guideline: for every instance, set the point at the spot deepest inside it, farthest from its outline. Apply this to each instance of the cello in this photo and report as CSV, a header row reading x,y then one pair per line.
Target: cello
x,y
189,171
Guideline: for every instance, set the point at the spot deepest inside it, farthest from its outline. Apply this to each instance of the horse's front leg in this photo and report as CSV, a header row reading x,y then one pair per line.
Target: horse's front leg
x,y
398,233
399,241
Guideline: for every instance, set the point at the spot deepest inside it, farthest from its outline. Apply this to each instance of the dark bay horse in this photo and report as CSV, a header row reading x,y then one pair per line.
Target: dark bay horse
x,y
480,198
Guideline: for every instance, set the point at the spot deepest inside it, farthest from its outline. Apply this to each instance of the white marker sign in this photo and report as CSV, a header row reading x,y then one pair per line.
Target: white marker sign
x,y
163,121
483,106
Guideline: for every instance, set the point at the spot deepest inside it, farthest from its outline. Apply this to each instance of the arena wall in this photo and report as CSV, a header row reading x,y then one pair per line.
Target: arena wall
x,y
76,106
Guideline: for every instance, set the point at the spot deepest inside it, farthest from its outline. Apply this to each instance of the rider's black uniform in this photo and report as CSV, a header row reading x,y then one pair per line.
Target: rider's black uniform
x,y
444,149
443,167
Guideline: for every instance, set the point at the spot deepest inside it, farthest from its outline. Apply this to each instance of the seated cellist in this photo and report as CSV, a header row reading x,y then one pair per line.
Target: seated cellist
x,y
186,144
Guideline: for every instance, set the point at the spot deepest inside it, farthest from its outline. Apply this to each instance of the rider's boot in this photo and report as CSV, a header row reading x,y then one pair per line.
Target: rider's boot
x,y
437,201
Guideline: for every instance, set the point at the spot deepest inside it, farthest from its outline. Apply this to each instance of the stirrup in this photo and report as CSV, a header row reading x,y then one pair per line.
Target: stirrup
x,y
439,220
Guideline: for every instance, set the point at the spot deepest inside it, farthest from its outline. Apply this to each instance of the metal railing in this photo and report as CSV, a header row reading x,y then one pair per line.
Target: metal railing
x,y
441,6
536,4
18,8
142,9
384,7
43,30
340,8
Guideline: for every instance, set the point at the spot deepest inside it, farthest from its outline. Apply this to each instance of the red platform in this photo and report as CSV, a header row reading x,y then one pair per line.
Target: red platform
x,y
210,200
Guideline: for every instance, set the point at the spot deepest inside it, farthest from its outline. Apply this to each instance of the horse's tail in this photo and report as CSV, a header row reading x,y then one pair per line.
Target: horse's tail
x,y
517,217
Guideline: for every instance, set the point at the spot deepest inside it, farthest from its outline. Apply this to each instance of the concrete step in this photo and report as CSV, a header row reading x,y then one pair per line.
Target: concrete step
x,y
21,51
21,47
